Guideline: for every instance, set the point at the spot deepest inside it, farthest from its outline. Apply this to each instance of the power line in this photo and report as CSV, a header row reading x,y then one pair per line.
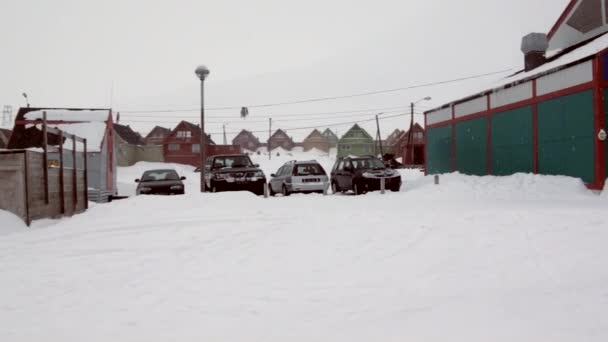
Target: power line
x,y
243,122
274,116
319,99
327,125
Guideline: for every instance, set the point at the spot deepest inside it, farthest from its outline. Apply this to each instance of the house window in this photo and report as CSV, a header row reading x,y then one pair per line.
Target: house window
x,y
196,148
417,136
184,134
173,147
345,147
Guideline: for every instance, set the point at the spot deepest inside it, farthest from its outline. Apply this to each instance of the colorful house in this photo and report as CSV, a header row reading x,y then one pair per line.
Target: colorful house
x,y
247,141
412,152
549,118
356,142
332,138
315,140
182,146
280,139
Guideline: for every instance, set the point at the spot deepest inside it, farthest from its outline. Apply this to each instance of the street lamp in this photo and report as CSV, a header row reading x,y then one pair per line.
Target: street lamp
x,y
202,72
27,102
410,135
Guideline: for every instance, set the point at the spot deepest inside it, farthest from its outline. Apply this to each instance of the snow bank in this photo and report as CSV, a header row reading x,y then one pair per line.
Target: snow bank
x,y
10,223
518,186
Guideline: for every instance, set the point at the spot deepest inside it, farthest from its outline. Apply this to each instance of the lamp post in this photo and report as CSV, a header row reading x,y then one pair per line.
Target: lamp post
x,y
27,102
202,72
410,137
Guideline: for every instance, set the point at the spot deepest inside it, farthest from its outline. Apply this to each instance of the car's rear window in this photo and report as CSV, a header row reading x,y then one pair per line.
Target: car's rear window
x,y
308,170
160,175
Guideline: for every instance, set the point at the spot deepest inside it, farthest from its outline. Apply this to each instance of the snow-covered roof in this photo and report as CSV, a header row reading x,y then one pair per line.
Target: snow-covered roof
x,y
578,54
84,115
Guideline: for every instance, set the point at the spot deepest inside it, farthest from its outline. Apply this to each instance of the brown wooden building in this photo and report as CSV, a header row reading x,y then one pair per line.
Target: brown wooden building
x,y
182,145
157,135
246,140
281,139
332,138
316,140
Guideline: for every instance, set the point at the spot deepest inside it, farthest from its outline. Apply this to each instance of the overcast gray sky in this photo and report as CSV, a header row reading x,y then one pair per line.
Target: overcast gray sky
x,y
140,55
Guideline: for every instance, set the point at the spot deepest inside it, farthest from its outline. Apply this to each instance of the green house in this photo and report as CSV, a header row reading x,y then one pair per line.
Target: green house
x,y
355,142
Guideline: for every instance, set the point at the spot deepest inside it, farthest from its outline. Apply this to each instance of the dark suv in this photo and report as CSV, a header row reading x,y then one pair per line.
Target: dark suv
x,y
234,173
363,174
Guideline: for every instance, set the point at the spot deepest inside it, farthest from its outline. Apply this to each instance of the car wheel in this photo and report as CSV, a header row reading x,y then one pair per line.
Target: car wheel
x,y
356,189
334,188
284,191
396,188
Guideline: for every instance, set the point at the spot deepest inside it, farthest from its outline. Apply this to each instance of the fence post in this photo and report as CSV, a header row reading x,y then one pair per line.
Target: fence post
x,y
325,186
45,158
265,190
382,185
436,179
61,168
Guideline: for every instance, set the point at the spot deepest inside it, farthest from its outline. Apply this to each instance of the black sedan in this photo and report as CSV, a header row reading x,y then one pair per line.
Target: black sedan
x,y
160,182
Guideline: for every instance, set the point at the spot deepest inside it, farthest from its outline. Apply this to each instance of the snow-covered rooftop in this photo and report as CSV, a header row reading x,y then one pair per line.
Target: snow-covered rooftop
x,y
582,52
88,124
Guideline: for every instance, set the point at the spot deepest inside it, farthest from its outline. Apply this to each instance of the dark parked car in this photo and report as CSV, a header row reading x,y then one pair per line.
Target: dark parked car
x,y
363,174
299,176
234,173
160,182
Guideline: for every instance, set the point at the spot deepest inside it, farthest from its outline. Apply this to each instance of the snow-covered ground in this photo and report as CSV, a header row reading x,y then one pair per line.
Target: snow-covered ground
x,y
520,258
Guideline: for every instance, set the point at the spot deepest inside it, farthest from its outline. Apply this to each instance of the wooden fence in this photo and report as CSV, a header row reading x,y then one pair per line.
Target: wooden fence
x,y
32,188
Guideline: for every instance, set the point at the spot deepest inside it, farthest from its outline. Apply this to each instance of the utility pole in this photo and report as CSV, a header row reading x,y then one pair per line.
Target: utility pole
x,y
378,136
410,136
225,141
269,135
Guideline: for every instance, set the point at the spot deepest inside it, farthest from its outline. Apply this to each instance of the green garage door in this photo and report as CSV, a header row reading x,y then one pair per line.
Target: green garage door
x,y
439,150
566,136
511,144
471,147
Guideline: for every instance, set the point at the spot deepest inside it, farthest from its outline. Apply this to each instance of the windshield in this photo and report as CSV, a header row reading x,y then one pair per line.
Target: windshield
x,y
309,170
368,163
159,175
231,161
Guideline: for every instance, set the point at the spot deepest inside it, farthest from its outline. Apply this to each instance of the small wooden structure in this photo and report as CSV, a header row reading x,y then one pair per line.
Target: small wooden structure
x,y
157,135
33,187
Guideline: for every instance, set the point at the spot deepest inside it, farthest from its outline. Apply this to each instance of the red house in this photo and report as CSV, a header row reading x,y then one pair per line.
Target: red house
x,y
411,151
182,145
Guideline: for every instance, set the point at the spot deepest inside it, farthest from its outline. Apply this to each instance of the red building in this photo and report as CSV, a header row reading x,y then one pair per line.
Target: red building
x,y
182,145
412,151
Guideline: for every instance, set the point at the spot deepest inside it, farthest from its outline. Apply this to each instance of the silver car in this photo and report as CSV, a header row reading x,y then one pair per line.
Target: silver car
x,y
299,176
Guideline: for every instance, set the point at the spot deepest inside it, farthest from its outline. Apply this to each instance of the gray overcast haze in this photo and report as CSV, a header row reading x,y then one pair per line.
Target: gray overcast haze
x,y
141,55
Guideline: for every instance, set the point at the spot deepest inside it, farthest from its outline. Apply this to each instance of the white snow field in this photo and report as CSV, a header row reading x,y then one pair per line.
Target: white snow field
x,y
520,258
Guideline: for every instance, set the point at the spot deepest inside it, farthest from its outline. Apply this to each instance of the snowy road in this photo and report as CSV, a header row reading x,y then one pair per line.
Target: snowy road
x,y
520,258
